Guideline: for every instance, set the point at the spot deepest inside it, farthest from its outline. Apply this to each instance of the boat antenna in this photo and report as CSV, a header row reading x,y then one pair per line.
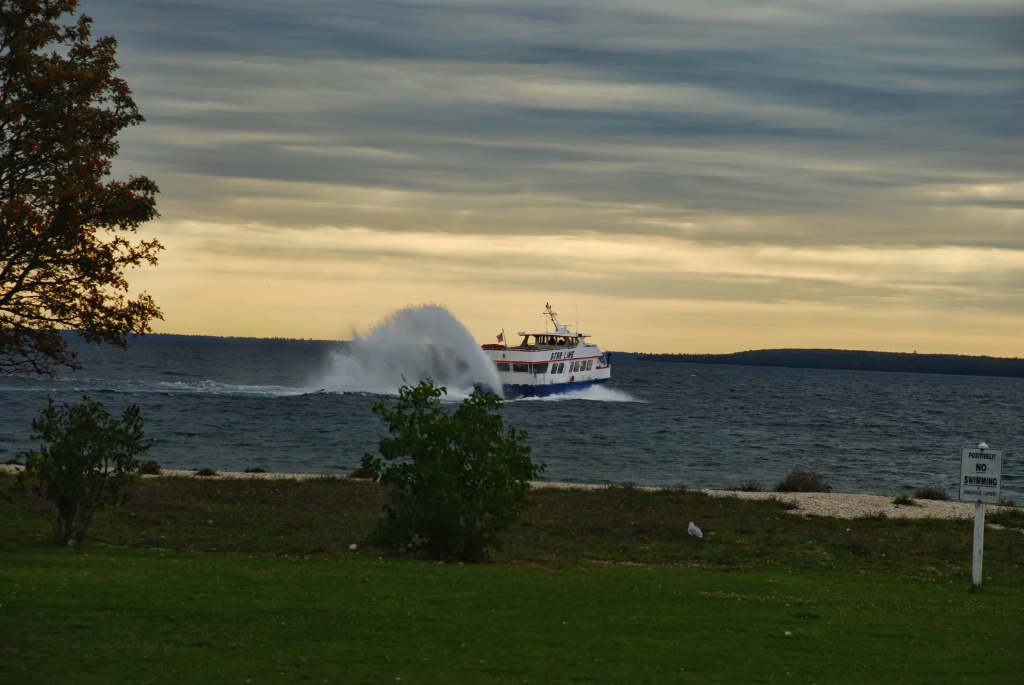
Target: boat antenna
x,y
559,328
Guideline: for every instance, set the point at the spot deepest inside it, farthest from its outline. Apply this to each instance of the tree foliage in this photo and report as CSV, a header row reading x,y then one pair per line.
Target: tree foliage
x,y
65,225
457,480
89,461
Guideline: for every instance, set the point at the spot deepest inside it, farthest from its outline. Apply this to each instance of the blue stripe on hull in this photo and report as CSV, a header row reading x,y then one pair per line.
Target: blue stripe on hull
x,y
516,391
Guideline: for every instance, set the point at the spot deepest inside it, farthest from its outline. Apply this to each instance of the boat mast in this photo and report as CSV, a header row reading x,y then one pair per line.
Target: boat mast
x,y
559,328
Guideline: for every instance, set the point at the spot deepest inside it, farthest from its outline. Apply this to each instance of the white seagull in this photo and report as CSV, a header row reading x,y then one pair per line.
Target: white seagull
x,y
695,531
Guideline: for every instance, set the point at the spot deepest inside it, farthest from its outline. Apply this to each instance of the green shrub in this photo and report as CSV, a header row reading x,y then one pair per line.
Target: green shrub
x,y
932,492
750,486
88,461
904,501
457,480
803,480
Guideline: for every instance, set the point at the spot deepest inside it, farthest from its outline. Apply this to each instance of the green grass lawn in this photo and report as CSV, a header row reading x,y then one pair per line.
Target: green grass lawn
x,y
254,581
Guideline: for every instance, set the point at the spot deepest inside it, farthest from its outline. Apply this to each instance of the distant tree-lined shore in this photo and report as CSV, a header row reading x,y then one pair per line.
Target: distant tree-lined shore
x,y
851,360
857,360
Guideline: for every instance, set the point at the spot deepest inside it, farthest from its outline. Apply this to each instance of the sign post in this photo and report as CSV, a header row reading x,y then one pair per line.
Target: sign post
x,y
980,471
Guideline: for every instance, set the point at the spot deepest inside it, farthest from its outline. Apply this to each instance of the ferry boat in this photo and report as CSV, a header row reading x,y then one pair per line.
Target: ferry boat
x,y
549,362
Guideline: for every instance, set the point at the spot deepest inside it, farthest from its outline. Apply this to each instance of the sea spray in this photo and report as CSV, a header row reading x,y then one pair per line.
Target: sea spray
x,y
410,345
592,393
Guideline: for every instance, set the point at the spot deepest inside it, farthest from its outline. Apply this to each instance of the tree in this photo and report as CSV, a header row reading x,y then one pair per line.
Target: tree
x,y
64,224
90,462
457,480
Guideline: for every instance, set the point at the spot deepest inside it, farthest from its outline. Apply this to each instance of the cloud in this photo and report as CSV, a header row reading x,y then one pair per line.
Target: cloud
x,y
866,153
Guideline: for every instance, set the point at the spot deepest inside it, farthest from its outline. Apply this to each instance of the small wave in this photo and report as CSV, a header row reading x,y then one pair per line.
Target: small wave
x,y
345,393
593,393
95,385
452,395
206,387
217,388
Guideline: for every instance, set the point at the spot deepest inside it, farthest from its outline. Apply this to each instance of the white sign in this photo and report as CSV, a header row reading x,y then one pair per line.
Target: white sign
x,y
980,470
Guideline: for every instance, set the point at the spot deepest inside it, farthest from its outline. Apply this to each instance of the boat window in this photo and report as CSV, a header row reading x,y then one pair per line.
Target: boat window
x,y
540,368
503,366
521,368
575,367
590,364
561,367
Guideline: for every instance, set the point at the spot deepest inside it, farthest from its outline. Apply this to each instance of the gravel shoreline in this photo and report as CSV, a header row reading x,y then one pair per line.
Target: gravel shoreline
x,y
832,504
843,505
848,506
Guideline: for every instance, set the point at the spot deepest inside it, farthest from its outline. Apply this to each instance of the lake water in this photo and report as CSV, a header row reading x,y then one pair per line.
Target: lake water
x,y
305,407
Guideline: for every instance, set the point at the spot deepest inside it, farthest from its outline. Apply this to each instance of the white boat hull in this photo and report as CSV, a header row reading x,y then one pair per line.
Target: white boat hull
x,y
514,391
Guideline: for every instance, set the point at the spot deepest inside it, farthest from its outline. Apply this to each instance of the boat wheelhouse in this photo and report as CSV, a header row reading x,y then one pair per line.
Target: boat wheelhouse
x,y
549,362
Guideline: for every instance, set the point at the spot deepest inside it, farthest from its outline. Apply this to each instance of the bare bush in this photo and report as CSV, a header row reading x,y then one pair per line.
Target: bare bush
x,y
803,480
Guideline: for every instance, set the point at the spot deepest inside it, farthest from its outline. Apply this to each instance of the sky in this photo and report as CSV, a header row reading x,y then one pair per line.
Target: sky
x,y
672,176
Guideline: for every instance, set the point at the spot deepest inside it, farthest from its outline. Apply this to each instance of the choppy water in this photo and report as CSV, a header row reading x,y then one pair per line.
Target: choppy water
x,y
304,407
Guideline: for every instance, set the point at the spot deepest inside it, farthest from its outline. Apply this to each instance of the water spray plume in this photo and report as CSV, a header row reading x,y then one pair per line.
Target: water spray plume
x,y
410,345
